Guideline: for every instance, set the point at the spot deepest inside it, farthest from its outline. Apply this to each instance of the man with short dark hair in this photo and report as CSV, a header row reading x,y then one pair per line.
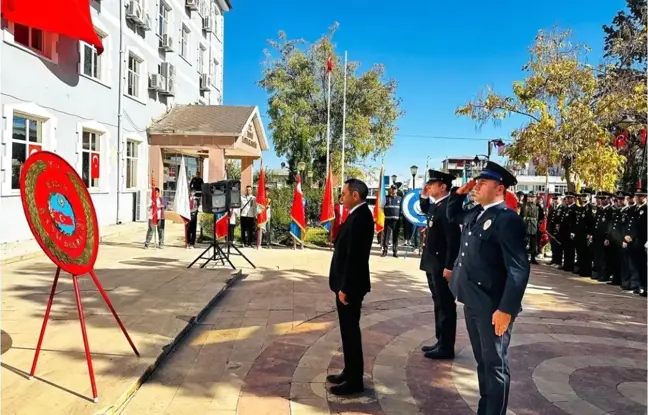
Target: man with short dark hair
x,y
490,278
392,210
437,260
349,280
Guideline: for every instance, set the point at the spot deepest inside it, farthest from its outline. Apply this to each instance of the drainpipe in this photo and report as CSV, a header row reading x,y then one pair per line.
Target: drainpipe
x,y
119,105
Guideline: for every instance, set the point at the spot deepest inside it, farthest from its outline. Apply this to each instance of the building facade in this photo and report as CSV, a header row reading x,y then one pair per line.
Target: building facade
x,y
59,95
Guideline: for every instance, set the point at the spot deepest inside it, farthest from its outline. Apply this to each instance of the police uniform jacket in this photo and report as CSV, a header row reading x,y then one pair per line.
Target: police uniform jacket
x,y
638,234
552,218
492,269
441,237
568,222
617,225
601,222
392,208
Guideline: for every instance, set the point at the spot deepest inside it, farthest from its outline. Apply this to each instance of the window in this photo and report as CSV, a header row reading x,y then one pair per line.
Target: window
x,y
201,59
90,158
163,19
91,61
131,163
30,37
213,71
134,72
184,42
27,136
539,188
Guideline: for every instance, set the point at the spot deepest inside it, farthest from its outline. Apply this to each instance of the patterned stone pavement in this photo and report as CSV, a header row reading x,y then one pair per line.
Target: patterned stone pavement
x,y
579,347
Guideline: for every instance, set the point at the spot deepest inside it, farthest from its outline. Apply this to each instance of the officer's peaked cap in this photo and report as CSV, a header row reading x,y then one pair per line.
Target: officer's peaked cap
x,y
641,192
439,176
494,171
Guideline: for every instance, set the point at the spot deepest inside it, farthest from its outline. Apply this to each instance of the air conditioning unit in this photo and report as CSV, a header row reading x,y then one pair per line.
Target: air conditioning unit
x,y
205,82
134,12
166,43
208,24
192,4
156,81
170,89
148,24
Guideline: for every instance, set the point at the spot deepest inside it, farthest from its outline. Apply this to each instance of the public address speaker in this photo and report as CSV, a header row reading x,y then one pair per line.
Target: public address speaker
x,y
217,197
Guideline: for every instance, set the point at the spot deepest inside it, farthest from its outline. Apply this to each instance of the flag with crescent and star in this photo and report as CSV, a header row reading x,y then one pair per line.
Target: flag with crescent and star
x,y
297,214
94,165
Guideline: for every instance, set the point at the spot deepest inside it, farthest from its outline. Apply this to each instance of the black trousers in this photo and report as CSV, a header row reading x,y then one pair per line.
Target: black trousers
x,y
191,230
569,252
532,241
556,250
616,262
390,233
349,318
629,276
247,231
584,256
491,354
230,233
601,260
639,260
445,311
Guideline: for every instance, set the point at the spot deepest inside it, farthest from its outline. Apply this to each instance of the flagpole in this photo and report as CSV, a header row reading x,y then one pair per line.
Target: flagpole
x,y
328,124
344,117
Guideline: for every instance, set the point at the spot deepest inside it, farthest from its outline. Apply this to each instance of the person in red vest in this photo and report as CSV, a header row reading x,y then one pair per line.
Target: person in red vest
x,y
341,214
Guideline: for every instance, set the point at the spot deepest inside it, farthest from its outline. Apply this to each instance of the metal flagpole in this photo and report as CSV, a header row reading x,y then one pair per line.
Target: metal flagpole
x,y
328,122
344,116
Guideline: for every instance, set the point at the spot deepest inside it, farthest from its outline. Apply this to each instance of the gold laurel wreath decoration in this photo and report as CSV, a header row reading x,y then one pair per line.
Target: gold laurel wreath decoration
x,y
30,186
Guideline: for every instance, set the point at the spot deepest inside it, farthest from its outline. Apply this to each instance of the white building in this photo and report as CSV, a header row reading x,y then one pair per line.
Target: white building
x,y
59,95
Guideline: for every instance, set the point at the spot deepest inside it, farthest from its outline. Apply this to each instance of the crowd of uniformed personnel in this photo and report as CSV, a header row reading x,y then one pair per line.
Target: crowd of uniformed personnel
x,y
601,236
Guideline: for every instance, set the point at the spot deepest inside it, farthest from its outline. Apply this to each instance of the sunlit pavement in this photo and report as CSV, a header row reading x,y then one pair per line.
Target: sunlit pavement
x,y
579,347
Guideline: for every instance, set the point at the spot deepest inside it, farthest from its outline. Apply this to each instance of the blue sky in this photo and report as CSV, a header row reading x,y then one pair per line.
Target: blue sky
x,y
441,56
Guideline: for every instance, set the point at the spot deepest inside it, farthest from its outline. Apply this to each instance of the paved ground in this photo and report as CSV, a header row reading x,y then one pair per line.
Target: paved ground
x,y
578,348
153,292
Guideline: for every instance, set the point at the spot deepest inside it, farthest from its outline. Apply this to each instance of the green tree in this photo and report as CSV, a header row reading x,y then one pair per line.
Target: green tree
x,y
233,169
566,119
294,76
625,48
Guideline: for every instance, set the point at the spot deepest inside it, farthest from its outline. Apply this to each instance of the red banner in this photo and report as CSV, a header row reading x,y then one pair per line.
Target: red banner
x,y
94,165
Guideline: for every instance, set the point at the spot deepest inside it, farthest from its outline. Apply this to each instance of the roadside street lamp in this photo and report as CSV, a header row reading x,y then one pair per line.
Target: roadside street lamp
x,y
394,178
414,170
478,163
309,174
300,168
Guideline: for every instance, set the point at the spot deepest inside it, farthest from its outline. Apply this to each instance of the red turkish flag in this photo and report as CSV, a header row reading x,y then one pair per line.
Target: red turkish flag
x,y
70,18
33,148
94,165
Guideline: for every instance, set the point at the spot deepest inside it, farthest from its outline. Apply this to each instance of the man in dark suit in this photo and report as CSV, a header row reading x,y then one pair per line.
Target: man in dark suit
x,y
439,254
490,277
349,280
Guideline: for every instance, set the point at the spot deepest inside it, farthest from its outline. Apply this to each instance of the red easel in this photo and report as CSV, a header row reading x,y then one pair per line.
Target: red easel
x,y
77,294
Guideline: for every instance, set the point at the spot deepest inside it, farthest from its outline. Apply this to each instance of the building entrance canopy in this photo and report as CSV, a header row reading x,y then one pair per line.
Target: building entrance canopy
x,y
213,133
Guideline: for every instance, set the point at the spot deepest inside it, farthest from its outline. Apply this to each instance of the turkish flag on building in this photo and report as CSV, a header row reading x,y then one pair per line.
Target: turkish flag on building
x,y
94,165
33,148
70,18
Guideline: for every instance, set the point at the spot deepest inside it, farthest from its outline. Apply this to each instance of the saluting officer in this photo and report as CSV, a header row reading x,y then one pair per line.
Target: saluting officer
x,y
637,239
600,236
439,254
490,277
567,232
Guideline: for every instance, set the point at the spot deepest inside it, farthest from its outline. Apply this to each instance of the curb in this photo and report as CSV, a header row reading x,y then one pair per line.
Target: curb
x,y
119,405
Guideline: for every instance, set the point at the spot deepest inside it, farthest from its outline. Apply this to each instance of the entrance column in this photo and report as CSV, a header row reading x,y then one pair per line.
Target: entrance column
x,y
156,164
247,172
216,170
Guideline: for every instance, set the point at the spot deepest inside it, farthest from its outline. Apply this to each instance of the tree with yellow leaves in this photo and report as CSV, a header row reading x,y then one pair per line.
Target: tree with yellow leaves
x,y
567,119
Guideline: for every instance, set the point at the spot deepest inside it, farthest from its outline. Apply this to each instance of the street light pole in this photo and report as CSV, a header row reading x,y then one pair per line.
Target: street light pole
x,y
414,170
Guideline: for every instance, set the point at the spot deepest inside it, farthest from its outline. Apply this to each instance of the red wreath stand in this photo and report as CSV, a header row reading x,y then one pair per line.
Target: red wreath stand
x,y
61,215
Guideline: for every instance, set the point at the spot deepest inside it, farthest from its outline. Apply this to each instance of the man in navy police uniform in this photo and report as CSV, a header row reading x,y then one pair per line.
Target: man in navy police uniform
x,y
490,277
439,254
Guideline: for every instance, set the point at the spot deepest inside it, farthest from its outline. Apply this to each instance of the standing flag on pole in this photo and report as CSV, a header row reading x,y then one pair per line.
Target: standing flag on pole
x,y
154,204
221,225
181,200
261,201
501,147
328,210
329,72
329,64
379,214
297,214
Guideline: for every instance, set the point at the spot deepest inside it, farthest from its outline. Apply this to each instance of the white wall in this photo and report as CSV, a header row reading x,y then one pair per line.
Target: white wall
x,y
53,90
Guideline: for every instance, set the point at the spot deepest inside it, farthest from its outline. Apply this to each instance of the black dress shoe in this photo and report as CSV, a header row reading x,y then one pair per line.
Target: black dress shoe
x,y
426,349
335,379
384,254
347,388
613,283
439,354
395,255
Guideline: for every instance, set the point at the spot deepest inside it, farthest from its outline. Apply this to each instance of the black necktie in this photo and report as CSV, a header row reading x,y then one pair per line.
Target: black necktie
x,y
478,211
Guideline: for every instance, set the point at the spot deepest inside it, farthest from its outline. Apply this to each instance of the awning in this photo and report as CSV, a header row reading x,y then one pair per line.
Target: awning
x,y
66,17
